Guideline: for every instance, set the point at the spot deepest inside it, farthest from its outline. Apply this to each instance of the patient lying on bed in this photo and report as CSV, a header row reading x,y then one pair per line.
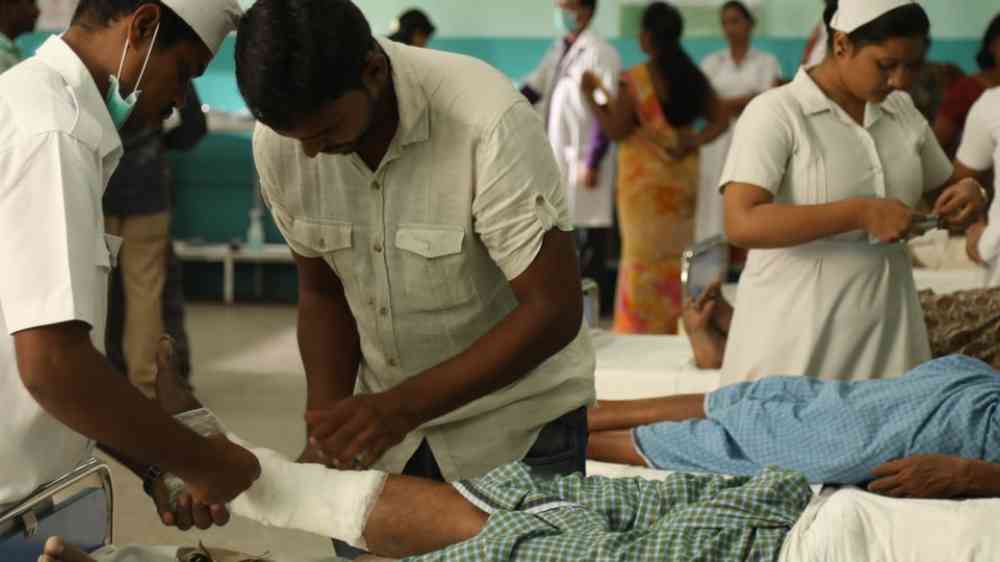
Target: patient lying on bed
x,y
508,514
964,322
932,433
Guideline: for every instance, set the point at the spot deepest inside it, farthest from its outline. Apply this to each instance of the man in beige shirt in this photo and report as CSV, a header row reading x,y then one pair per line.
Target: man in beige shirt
x,y
439,300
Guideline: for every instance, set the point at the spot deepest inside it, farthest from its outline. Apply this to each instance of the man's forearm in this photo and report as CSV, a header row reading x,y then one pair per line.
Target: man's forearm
x,y
330,348
984,479
105,407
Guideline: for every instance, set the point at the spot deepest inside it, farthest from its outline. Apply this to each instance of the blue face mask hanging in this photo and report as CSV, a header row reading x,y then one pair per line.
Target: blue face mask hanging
x,y
565,21
121,108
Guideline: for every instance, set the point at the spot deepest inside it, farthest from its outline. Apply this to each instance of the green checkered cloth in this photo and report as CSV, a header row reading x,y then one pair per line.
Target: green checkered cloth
x,y
686,518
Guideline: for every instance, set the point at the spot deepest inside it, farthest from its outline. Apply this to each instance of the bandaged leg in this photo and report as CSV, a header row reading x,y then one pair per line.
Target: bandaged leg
x,y
310,497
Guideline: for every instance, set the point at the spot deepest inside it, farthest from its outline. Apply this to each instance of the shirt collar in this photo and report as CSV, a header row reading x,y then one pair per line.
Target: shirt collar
x,y
58,56
814,101
411,95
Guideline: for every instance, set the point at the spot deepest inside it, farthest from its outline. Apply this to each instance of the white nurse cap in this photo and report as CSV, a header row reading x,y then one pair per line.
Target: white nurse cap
x,y
212,20
852,14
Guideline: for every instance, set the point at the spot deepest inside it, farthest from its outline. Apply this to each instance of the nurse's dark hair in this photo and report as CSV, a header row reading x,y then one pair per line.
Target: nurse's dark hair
x,y
592,4
101,13
908,21
411,22
741,7
985,58
294,56
689,88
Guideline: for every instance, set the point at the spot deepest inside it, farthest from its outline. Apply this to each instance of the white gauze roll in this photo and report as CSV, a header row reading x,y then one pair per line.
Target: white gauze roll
x,y
310,497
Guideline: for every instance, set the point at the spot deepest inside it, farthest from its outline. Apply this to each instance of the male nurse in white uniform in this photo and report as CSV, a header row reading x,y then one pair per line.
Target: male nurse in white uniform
x,y
119,64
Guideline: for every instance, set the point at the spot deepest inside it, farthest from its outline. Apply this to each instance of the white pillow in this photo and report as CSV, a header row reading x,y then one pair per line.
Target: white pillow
x,y
852,525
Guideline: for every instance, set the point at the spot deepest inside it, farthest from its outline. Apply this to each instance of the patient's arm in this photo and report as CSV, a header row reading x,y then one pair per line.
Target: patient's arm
x,y
614,446
609,415
937,477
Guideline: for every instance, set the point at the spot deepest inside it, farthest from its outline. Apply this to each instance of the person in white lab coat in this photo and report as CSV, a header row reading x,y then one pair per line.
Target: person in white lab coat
x,y
978,155
554,88
60,113
737,73
821,184
17,17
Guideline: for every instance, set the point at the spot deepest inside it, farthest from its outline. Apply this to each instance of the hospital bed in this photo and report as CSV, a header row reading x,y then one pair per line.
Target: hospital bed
x,y
78,506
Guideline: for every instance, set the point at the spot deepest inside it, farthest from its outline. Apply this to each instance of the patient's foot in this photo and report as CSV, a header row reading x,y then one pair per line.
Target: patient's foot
x,y
172,391
56,550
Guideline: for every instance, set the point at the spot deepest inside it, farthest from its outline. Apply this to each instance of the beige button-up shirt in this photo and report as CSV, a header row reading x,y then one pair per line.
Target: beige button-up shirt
x,y
426,244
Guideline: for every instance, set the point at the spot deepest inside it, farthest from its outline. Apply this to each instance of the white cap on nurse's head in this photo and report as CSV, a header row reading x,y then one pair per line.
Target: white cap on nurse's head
x,y
852,14
212,20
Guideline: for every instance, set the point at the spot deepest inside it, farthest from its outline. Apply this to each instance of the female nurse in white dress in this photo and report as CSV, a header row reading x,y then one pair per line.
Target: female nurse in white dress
x,y
821,183
737,73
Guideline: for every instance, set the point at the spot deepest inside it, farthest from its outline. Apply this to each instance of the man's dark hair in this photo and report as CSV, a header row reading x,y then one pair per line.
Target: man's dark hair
x,y
293,56
173,29
908,21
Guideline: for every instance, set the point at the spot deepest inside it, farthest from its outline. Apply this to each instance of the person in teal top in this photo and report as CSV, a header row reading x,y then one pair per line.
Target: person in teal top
x,y
17,17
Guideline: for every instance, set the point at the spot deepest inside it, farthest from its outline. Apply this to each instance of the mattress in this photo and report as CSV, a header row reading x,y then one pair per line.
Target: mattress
x,y
633,366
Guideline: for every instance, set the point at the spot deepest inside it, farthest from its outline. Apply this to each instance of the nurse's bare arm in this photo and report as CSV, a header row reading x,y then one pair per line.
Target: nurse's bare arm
x,y
548,317
754,220
328,337
74,383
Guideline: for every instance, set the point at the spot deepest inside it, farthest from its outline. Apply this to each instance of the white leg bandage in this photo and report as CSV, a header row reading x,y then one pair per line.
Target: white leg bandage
x,y
310,497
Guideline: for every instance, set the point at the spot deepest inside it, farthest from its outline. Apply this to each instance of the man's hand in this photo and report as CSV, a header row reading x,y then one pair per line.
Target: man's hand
x,y
922,476
697,316
961,203
972,238
187,512
230,471
357,431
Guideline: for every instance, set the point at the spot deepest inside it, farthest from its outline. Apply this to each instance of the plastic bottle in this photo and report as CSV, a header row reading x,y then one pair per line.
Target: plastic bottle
x,y
255,232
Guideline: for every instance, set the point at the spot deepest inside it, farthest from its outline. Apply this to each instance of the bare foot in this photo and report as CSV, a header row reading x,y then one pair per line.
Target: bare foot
x,y
56,550
173,394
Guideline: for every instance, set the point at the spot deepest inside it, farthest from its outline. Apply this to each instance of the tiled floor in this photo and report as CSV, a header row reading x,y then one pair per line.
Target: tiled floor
x,y
248,371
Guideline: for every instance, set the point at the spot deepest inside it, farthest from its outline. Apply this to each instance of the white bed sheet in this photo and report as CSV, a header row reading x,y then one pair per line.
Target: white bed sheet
x,y
949,280
851,525
630,367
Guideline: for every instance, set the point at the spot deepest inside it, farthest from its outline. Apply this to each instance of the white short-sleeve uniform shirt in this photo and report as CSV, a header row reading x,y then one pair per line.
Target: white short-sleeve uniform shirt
x,y
756,73
58,148
980,151
842,307
426,246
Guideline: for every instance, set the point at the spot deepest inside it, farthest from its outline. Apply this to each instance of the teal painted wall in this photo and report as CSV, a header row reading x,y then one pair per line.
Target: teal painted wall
x,y
215,181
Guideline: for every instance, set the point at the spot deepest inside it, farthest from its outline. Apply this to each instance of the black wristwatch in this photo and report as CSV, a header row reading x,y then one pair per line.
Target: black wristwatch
x,y
149,477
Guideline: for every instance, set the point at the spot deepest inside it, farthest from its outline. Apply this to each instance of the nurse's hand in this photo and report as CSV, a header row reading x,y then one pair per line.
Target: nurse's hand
x,y
588,177
888,220
922,476
230,470
972,237
187,512
961,203
590,83
355,432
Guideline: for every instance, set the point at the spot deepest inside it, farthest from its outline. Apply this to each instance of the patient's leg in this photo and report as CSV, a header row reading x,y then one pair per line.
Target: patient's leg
x,y
614,446
609,415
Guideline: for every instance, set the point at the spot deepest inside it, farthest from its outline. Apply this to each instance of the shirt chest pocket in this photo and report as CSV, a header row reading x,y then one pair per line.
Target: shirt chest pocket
x,y
434,270
330,241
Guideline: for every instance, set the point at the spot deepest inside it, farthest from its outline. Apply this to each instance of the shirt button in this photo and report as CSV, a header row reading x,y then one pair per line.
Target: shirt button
x,y
378,248
392,362
322,241
371,301
383,311
376,186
